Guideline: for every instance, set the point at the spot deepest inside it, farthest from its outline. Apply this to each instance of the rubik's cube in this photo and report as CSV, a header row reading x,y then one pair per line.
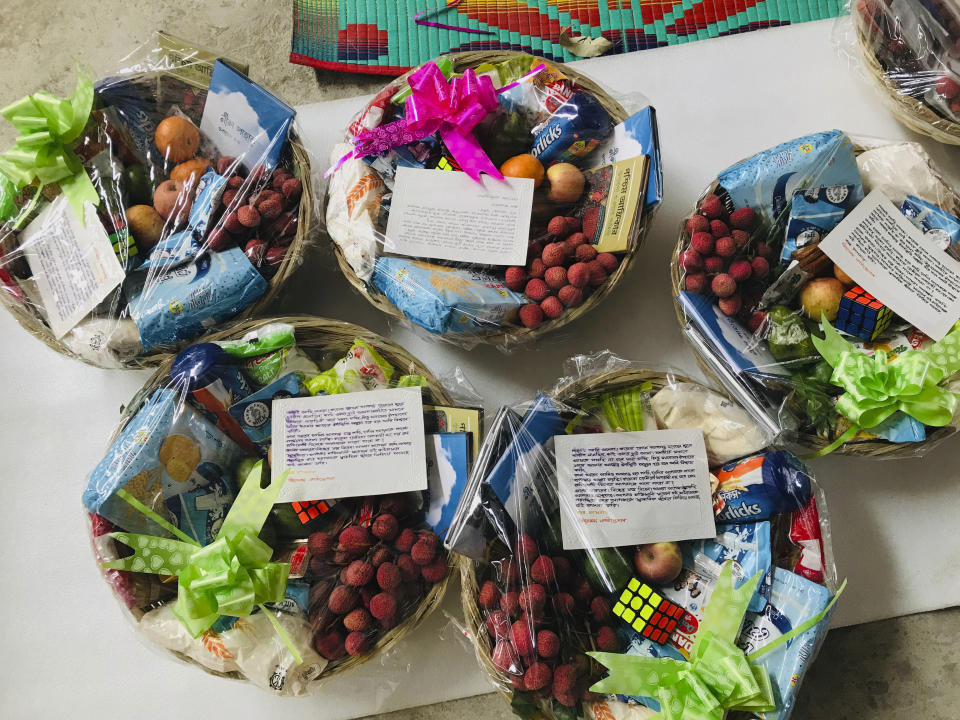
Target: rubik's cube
x,y
862,315
310,510
647,612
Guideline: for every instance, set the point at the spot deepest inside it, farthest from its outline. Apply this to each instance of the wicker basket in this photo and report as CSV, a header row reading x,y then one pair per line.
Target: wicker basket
x,y
314,334
573,394
870,448
31,321
912,112
519,334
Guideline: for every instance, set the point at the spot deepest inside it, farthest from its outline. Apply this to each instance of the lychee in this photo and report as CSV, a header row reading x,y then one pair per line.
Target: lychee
x,y
330,645
537,676
760,267
356,643
510,602
358,620
359,573
586,253
726,247
695,283
383,605
553,254
561,568
570,296
741,270
713,265
691,260
536,289
409,570
598,275
578,275
723,285
743,218
542,570
319,543
552,308
730,305
555,277
719,229
607,639
354,539
740,238
609,261
531,316
423,552
697,223
557,226
712,207
248,216
520,636
388,576
435,571
342,600
505,657
533,598
526,548
536,268
702,242
563,603
756,321
489,595
599,609
548,644
515,278
564,678
405,540
498,624
385,527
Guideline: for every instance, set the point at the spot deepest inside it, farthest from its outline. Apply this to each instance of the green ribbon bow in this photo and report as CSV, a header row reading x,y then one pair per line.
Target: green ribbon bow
x,y
876,387
719,676
48,128
230,576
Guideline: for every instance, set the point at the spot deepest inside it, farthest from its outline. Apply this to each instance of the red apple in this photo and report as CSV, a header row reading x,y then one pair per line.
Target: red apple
x,y
659,563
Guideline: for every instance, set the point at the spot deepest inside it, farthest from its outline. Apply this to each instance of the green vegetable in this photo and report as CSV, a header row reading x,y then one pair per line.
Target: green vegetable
x,y
623,410
789,338
136,185
607,569
508,135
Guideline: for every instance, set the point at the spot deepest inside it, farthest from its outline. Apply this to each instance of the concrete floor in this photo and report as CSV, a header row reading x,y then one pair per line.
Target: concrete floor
x,y
904,667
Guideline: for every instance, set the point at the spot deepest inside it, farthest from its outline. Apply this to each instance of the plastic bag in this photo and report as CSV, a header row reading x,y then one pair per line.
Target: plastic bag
x,y
468,258
353,574
910,51
534,606
752,282
167,199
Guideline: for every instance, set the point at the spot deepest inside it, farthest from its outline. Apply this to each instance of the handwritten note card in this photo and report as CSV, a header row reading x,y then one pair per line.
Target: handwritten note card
x,y
363,443
626,488
891,259
446,215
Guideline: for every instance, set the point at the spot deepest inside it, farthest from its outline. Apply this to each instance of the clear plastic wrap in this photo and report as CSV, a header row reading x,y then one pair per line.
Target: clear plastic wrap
x,y
151,207
337,580
911,52
534,607
751,283
469,258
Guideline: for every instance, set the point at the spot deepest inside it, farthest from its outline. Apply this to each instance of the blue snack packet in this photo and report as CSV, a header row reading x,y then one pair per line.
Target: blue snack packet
x,y
443,299
572,131
172,459
635,136
210,189
448,464
814,213
768,180
186,300
936,222
746,544
172,250
759,487
793,600
255,412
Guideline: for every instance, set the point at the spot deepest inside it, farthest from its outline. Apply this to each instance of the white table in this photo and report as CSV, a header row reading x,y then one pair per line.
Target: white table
x,y
65,647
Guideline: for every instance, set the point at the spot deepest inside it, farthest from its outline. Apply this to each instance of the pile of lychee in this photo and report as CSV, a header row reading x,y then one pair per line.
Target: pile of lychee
x,y
258,212
366,579
722,258
560,273
542,615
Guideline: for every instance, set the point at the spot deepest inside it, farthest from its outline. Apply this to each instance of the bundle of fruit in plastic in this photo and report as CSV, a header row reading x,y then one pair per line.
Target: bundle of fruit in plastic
x,y
535,608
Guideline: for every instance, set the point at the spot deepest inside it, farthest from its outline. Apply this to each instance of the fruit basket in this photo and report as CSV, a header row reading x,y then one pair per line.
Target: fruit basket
x,y
161,206
546,620
541,121
750,283
338,580
909,50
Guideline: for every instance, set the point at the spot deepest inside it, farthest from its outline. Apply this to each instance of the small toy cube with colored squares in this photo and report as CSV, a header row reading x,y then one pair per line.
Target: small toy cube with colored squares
x,y
647,612
309,510
862,315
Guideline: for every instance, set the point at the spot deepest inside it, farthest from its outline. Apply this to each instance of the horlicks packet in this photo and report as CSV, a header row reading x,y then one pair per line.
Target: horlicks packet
x,y
174,461
768,180
936,223
814,212
184,301
759,487
739,347
255,412
793,600
572,131
445,299
746,544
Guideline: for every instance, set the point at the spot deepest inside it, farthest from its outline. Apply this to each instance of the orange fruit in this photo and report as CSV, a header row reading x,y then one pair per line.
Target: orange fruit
x,y
177,138
190,169
524,166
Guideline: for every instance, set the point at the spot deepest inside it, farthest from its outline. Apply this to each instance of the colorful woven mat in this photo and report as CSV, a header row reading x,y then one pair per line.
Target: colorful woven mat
x,y
380,36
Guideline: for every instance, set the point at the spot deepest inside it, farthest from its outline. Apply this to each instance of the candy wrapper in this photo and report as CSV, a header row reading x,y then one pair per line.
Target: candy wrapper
x,y
909,51
188,522
552,599
150,207
494,200
787,330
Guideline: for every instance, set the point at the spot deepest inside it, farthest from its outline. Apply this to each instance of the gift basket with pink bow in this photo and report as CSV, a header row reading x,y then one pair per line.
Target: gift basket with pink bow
x,y
492,197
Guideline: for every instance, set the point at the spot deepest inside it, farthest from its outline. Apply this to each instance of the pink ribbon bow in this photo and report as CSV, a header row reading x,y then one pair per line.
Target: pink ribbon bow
x,y
453,109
